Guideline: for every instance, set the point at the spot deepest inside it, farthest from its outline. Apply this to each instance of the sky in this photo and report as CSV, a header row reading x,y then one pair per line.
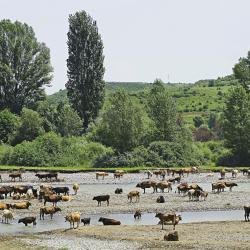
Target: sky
x,y
174,40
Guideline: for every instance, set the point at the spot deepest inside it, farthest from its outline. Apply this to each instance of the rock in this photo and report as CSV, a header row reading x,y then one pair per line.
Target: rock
x,y
171,236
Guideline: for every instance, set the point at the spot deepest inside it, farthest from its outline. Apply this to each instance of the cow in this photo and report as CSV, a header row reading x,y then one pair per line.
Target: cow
x,y
52,198
28,220
147,184
171,236
21,205
235,173
194,194
204,194
52,175
195,187
230,185
76,188
220,186
118,175
101,198
222,174
135,194
85,221
13,176
66,198
49,210
174,179
149,173
160,199
107,221
182,188
137,214
162,185
72,218
42,176
118,191
61,190
7,215
247,212
168,217
5,190
103,174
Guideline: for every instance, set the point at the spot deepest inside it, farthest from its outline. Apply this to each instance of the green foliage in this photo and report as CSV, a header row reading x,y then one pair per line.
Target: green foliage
x,y
85,84
162,111
236,124
122,125
52,150
68,122
29,128
8,125
24,66
242,71
157,154
198,121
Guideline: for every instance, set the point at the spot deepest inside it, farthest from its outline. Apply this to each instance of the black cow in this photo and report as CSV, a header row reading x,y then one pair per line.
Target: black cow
x,y
101,198
247,212
85,221
107,221
28,220
61,190
118,191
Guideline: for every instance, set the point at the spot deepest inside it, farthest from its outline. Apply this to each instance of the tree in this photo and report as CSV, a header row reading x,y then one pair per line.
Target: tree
x,y
68,122
122,126
30,126
24,66
236,124
162,111
242,71
8,124
85,67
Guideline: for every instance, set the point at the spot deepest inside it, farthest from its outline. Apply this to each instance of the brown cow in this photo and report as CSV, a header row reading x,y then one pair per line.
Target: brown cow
x,y
147,184
21,205
73,218
168,217
162,185
135,194
49,210
13,176
52,198
4,206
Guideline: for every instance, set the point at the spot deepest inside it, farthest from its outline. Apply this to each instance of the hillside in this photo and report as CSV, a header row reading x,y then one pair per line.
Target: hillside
x,y
200,98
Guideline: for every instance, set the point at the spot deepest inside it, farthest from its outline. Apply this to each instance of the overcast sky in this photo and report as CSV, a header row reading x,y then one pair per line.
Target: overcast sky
x,y
175,40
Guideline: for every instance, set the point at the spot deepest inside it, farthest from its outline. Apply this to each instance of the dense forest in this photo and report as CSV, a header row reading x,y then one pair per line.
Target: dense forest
x,y
113,124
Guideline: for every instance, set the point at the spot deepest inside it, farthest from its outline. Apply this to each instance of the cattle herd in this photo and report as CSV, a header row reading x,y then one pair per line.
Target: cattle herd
x,y
166,178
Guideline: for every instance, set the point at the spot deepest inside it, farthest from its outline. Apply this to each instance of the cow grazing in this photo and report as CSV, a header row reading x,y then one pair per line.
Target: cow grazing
x,y
61,190
7,215
147,184
118,191
219,186
247,212
5,190
160,199
52,198
28,220
194,194
164,185
137,214
182,188
21,205
73,218
168,217
101,198
204,194
230,185
76,188
13,176
135,194
49,210
109,222
85,221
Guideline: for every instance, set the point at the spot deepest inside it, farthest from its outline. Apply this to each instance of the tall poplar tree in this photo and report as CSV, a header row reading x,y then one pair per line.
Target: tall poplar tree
x,y
85,86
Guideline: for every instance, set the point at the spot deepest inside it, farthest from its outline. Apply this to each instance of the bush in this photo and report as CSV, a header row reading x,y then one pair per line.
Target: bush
x,y
53,150
157,154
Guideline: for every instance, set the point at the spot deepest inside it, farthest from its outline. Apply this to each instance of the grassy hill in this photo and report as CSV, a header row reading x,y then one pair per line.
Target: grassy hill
x,y
200,98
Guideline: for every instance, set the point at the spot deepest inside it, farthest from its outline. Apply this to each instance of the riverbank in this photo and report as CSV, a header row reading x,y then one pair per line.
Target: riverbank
x,y
206,235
